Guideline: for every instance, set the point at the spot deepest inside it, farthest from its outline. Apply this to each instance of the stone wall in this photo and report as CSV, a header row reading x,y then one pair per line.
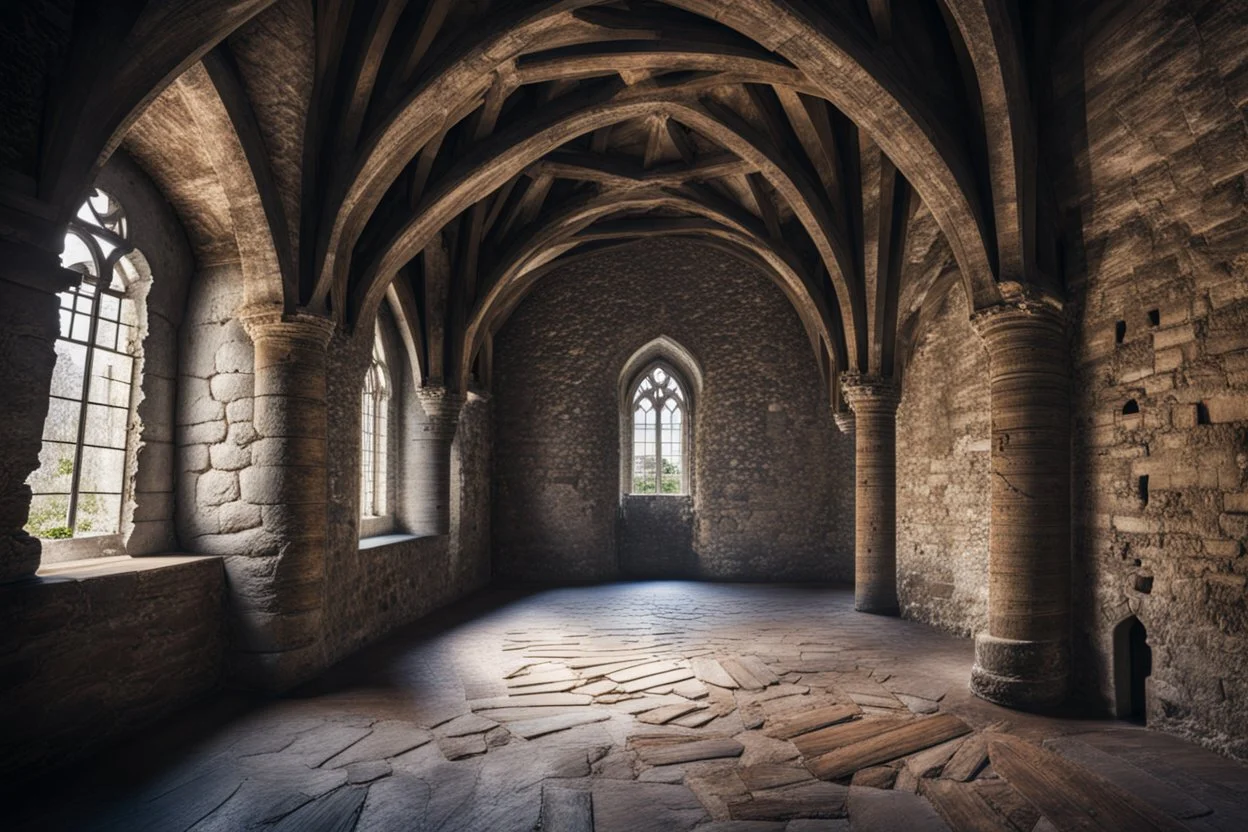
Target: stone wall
x,y
773,479
1148,139
91,652
943,473
388,581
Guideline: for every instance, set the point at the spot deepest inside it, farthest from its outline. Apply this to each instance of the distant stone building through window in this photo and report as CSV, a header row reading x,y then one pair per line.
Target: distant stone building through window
x,y
79,488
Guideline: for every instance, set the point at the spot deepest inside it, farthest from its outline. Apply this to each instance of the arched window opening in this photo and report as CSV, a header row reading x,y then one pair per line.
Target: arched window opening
x,y
660,410
1133,664
79,486
374,433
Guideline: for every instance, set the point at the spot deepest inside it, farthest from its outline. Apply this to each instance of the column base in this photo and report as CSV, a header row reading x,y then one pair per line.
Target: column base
x,y
1025,675
875,605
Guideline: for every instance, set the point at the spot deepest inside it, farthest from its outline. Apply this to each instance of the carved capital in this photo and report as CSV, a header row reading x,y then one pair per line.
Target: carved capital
x,y
296,329
993,321
864,390
442,407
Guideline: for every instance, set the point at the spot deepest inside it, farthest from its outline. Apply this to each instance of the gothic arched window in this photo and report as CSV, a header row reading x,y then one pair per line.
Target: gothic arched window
x,y
79,486
660,409
374,434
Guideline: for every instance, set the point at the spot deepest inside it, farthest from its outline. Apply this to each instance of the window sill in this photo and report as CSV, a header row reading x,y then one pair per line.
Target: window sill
x,y
82,570
382,540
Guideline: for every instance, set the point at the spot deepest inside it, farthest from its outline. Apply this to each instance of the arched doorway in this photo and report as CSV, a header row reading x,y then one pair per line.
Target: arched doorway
x,y
1133,664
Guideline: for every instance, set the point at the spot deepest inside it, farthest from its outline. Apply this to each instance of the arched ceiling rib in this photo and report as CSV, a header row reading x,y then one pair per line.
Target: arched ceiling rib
x,y
438,132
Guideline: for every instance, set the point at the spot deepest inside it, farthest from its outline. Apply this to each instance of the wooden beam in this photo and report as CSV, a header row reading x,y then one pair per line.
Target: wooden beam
x,y
654,141
681,139
620,171
436,261
766,208
882,19
895,209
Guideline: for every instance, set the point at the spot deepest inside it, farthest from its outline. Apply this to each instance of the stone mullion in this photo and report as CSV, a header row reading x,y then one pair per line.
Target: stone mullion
x,y
278,590
433,445
1024,658
874,401
30,278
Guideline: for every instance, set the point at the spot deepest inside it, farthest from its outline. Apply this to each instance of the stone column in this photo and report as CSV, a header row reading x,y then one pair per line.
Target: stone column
x,y
432,447
30,278
277,590
844,420
1023,661
874,401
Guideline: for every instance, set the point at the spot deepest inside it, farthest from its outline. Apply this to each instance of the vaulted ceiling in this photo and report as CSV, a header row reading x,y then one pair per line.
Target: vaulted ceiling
x,y
445,154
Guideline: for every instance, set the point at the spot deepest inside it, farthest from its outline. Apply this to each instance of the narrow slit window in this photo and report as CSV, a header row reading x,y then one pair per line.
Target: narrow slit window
x,y
660,433
78,489
374,433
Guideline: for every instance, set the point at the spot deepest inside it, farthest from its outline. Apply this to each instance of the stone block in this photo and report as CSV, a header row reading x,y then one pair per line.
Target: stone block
x,y
234,357
242,434
1136,525
206,433
228,456
1168,359
1222,548
1223,409
1235,503
194,458
229,387
240,410
1174,336
1234,525
237,517
216,487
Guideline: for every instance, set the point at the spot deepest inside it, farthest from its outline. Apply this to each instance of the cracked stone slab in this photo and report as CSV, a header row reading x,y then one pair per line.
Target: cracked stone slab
x,y
533,728
567,810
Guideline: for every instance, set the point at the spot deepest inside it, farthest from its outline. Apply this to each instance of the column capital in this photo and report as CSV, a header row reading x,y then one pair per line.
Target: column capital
x,y
442,405
870,390
993,321
272,323
844,420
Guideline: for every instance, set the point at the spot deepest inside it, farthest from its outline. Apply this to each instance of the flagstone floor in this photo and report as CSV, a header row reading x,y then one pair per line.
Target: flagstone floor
x,y
663,706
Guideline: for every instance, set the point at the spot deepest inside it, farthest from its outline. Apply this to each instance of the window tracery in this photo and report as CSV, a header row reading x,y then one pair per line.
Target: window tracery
x,y
79,486
660,433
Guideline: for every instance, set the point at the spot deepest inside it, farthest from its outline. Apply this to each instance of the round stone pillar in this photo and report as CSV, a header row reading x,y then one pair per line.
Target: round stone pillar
x,y
874,401
277,590
1023,661
434,438
30,278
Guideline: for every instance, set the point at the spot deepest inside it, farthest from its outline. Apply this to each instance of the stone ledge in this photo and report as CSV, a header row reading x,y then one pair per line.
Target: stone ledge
x,y
82,570
383,540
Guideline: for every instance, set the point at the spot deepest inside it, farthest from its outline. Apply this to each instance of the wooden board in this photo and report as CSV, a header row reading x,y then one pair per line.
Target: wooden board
x,y
712,672
968,760
962,807
741,674
668,678
759,669
837,736
642,671
1070,796
898,742
666,713
797,724
818,800
688,752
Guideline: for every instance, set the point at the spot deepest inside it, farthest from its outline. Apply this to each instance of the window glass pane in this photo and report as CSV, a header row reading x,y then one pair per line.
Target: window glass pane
x,y
97,514
366,454
62,422
71,363
110,378
106,427
106,335
56,468
49,516
103,470
381,472
81,329
673,448
110,307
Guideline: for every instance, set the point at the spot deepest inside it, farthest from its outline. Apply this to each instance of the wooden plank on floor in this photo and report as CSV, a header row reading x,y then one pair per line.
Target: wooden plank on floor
x,y
535,700
962,807
666,713
816,800
688,752
532,728
898,742
1069,795
771,776
542,678
759,669
794,725
1129,777
968,760
838,736
743,677
710,671
644,670
668,678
